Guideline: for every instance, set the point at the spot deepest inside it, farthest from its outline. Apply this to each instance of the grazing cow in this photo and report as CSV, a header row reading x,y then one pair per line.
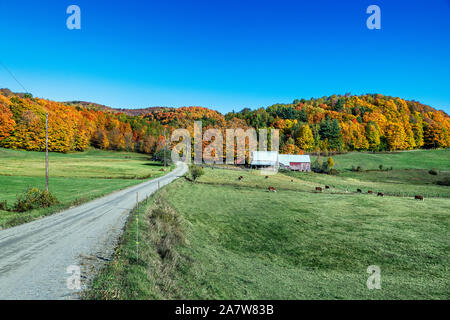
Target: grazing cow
x,y
272,189
370,191
359,190
380,194
240,178
319,189
327,187
418,197
267,177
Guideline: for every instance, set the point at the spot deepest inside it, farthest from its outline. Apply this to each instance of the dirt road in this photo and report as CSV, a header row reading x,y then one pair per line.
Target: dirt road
x,y
34,257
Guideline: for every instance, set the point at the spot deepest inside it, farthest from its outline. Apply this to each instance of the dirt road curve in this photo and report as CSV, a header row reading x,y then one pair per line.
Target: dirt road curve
x,y
34,257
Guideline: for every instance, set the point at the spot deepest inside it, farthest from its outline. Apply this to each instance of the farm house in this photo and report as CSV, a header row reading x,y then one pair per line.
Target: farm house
x,y
295,162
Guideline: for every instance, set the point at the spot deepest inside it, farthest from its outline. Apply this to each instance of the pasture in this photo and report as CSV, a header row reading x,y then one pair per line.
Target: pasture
x,y
74,178
225,238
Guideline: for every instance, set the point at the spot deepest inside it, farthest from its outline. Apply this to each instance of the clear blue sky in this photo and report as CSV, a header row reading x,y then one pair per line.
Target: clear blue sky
x,y
226,54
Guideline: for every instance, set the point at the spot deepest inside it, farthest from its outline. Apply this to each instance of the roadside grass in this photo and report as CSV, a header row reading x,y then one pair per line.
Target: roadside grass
x,y
75,178
242,242
414,159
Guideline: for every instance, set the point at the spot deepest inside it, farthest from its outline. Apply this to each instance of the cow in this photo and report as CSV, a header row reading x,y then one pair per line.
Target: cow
x,y
319,189
369,191
240,178
327,187
418,197
359,190
380,194
267,177
272,189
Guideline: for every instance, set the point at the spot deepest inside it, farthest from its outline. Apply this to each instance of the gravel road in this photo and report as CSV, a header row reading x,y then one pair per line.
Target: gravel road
x,y
34,257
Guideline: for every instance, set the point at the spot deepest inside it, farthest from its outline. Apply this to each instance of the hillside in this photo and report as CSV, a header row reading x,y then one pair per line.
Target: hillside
x,y
222,238
336,123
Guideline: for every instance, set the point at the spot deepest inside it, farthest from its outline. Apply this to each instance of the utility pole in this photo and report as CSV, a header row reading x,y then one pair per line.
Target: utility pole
x,y
165,148
46,152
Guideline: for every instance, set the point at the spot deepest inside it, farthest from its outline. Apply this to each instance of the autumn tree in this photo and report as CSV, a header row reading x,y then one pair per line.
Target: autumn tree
x,y
7,122
305,141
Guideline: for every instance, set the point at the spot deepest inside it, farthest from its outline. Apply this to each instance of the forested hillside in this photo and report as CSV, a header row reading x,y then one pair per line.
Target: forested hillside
x,y
336,123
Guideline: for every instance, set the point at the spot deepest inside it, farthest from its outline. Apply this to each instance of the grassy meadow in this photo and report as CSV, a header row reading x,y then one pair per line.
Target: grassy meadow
x,y
74,177
221,238
414,159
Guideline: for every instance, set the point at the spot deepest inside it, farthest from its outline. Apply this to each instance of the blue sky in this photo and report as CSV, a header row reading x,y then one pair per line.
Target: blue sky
x,y
226,54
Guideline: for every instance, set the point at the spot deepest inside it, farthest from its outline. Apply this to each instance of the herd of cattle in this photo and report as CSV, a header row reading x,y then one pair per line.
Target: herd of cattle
x,y
320,189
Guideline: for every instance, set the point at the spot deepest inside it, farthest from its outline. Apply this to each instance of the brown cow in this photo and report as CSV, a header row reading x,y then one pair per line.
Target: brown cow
x,y
327,187
272,189
319,189
418,197
359,190
380,194
370,191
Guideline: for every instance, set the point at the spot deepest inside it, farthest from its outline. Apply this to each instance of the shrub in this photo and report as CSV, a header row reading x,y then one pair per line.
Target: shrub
x,y
334,171
34,198
4,205
195,171
433,172
317,165
358,168
325,167
380,167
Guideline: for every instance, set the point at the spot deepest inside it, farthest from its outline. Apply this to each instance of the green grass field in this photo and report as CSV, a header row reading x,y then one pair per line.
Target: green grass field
x,y
415,159
221,238
74,178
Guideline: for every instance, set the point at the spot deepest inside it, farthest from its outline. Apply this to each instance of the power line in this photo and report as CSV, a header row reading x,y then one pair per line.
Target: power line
x,y
20,84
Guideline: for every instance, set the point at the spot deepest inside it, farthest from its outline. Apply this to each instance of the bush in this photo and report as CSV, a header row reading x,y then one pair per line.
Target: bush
x,y
159,156
358,168
325,167
4,205
334,171
34,198
195,171
380,167
433,172
317,165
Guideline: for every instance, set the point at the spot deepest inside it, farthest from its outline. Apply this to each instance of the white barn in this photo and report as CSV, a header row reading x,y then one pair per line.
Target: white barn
x,y
264,159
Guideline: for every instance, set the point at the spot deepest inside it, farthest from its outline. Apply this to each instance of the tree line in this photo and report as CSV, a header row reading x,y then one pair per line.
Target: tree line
x,y
336,123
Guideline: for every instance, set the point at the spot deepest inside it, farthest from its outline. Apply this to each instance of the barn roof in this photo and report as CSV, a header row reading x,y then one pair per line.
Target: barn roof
x,y
286,159
264,158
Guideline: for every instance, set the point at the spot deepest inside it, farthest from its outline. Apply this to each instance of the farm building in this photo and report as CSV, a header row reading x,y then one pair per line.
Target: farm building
x,y
283,161
264,159
295,162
